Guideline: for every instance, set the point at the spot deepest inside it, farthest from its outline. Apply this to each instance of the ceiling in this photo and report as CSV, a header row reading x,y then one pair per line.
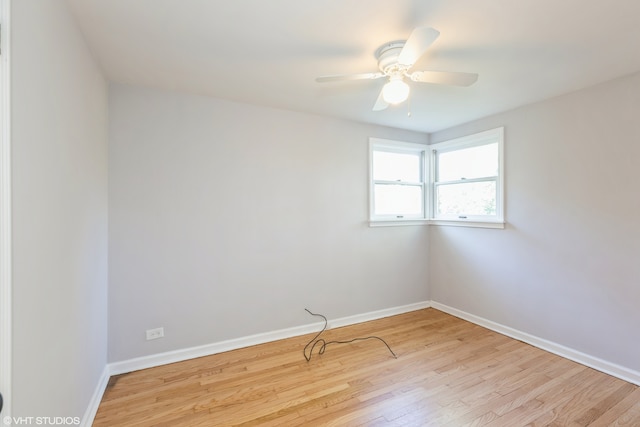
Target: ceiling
x,y
270,52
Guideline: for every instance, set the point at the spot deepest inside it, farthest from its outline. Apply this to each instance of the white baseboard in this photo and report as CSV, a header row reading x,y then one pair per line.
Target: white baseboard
x,y
373,315
94,403
613,369
153,360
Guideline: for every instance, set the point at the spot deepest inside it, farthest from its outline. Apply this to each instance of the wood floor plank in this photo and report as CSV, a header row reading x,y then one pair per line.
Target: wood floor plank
x,y
447,372
622,411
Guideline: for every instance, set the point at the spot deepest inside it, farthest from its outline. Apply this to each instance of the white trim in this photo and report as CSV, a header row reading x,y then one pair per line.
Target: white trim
x,y
183,354
468,223
180,355
457,223
379,314
5,215
395,222
96,398
395,146
596,363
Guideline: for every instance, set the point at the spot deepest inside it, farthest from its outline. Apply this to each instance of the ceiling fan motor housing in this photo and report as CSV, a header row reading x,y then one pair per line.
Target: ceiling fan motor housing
x,y
387,56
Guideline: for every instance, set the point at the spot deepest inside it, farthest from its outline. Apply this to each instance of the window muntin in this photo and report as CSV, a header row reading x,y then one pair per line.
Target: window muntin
x,y
467,178
398,180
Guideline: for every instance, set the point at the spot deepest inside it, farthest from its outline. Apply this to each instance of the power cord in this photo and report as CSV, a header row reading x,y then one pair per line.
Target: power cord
x,y
323,344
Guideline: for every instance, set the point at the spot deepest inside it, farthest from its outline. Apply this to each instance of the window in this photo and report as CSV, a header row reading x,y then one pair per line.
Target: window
x,y
457,182
467,179
398,180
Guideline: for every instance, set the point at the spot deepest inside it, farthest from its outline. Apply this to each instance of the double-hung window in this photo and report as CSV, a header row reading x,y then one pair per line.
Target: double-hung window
x,y
467,179
457,182
398,180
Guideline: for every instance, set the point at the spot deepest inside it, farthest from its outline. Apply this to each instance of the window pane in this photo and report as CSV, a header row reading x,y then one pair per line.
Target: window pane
x,y
398,199
474,162
474,198
396,166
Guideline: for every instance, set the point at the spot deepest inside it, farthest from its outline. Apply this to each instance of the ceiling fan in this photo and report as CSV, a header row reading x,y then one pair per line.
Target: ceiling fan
x,y
395,60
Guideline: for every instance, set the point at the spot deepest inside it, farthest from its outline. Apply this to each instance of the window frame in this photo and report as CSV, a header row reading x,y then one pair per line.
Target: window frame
x,y
475,140
400,147
428,176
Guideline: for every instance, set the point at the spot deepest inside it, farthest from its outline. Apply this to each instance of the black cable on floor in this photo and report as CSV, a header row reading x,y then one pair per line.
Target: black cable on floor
x,y
323,344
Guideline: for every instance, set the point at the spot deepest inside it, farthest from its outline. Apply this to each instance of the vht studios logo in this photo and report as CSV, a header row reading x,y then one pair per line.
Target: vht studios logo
x,y
41,421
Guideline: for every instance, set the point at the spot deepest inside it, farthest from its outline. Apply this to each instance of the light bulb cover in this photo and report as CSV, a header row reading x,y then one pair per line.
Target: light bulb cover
x,y
395,92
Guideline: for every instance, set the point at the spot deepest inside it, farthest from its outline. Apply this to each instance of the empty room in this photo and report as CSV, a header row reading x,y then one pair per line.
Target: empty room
x,y
319,213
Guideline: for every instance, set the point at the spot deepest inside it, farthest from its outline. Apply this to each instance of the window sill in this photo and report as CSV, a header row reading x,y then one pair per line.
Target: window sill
x,y
462,223
452,223
397,222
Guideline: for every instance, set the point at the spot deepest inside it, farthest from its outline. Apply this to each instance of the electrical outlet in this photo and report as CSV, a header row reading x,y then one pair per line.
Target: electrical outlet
x,y
154,334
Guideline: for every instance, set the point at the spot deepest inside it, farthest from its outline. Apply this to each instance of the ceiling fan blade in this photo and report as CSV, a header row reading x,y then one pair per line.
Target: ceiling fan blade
x,y
417,44
444,77
380,104
347,77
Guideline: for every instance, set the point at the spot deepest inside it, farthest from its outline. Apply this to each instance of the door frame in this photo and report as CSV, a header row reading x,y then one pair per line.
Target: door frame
x,y
5,211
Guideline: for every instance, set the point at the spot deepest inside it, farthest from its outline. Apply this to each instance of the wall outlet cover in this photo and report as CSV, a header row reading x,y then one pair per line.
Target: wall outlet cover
x,y
154,334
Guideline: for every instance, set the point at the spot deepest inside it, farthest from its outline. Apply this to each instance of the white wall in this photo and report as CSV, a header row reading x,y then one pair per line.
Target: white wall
x,y
566,267
227,220
59,161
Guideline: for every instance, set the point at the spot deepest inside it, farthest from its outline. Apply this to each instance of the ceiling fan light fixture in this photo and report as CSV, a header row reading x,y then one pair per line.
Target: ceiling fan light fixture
x,y
395,62
395,91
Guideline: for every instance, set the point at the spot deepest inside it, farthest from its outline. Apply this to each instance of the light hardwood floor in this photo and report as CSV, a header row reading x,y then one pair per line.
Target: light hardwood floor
x,y
449,372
